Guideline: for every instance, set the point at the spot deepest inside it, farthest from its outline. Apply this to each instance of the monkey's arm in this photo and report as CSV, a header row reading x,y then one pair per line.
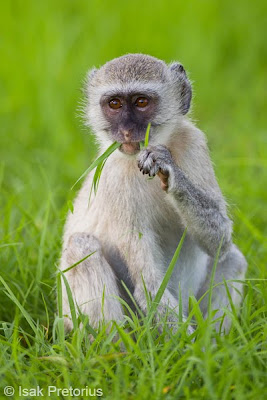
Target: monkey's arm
x,y
203,211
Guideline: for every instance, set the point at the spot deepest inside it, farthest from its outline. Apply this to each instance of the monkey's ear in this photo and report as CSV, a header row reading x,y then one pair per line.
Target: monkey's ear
x,y
179,74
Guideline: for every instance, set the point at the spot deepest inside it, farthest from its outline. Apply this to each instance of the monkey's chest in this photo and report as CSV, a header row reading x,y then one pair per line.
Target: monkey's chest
x,y
135,205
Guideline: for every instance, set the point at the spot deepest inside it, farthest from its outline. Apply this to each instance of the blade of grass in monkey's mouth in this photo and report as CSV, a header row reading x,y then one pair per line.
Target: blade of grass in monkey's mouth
x,y
99,163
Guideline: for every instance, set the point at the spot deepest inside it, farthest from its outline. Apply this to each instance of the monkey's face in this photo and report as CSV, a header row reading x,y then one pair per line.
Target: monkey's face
x,y
128,92
128,115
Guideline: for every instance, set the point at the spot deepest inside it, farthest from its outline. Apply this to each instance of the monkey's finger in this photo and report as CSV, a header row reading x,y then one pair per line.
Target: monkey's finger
x,y
142,157
148,165
146,170
154,170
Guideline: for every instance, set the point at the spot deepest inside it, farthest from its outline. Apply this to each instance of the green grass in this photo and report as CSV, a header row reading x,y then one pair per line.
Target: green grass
x,y
46,48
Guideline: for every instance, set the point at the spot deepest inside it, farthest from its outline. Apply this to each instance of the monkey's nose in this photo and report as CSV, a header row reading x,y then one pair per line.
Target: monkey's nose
x,y
127,133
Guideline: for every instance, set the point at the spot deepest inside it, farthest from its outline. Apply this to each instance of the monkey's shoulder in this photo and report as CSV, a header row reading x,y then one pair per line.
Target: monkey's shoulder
x,y
190,151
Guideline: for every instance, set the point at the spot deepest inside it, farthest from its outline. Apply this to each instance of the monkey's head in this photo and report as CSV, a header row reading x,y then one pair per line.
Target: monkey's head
x,y
127,93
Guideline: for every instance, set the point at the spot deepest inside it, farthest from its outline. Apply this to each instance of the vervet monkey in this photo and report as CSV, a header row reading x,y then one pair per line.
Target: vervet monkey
x,y
134,224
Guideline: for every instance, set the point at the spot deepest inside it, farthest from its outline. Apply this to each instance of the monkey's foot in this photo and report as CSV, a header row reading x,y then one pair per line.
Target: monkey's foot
x,y
167,311
172,319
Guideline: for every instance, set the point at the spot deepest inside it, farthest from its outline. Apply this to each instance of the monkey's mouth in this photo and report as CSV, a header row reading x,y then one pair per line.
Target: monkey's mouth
x,y
130,148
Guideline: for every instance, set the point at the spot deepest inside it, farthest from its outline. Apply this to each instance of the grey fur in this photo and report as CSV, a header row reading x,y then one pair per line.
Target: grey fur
x,y
132,223
125,69
184,85
209,221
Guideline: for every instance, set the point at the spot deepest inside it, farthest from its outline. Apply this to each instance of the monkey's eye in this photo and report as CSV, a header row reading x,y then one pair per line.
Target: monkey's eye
x,y
115,104
141,102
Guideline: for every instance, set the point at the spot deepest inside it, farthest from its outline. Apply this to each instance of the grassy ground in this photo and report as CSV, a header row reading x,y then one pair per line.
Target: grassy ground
x,y
46,49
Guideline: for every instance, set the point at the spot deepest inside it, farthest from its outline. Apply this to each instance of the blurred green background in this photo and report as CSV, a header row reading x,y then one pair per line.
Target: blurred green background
x,y
47,48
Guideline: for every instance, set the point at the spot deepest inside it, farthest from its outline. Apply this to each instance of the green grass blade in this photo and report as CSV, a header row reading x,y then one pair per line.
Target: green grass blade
x,y
98,161
25,314
77,263
166,279
131,297
212,278
97,175
71,302
85,323
180,305
147,134
60,321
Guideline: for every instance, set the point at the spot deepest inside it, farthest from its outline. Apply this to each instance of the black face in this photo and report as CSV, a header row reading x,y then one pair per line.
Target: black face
x,y
128,116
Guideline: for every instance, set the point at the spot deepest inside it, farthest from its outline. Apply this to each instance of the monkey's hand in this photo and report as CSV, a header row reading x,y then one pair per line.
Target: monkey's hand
x,y
157,160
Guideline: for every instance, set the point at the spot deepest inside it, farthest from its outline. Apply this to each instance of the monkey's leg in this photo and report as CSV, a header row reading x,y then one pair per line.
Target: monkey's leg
x,y
147,270
92,282
232,267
